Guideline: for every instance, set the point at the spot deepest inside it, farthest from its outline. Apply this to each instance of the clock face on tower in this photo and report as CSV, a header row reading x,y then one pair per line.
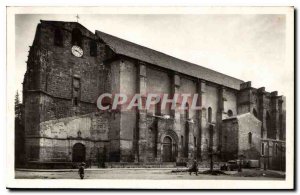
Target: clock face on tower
x,y
77,51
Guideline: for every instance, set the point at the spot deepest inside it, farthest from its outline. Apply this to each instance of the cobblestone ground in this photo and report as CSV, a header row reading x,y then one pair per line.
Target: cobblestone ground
x,y
145,174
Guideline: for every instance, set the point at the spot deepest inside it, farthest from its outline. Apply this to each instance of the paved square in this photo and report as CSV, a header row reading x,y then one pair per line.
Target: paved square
x,y
135,173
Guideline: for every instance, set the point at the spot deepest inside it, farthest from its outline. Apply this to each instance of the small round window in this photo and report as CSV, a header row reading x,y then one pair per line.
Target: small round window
x,y
229,113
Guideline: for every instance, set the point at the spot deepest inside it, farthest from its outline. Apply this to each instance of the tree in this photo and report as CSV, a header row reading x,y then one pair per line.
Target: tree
x,y
17,106
17,100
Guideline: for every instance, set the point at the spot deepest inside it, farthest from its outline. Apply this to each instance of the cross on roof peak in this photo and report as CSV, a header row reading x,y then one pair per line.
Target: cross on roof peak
x,y
77,17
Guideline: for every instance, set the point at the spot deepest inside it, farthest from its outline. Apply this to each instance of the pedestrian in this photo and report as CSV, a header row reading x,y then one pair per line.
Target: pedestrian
x,y
81,170
194,167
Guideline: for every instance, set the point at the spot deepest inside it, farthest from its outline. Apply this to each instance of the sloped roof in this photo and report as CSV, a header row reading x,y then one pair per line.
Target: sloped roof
x,y
126,48
241,116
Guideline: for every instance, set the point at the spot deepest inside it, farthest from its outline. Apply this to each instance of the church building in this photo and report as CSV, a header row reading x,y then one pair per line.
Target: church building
x,y
69,67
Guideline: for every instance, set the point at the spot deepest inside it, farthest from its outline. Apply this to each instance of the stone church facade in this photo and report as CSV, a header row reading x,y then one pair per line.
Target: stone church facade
x,y
68,68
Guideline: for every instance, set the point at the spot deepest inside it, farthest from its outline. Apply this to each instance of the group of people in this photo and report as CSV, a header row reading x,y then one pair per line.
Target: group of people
x,y
192,169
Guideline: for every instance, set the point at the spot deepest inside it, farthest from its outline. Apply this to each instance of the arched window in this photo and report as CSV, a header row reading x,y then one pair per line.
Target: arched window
x,y
157,108
195,142
58,37
186,111
229,113
167,140
268,124
262,148
182,144
76,37
75,101
93,48
209,114
255,113
250,138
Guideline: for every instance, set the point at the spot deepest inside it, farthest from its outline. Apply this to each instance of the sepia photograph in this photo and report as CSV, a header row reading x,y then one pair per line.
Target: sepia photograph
x,y
150,98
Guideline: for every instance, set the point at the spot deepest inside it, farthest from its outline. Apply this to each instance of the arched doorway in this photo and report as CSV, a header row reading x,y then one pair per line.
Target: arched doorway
x,y
78,153
167,149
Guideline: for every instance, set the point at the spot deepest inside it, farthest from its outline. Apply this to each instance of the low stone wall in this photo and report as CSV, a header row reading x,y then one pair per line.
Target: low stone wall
x,y
51,165
139,165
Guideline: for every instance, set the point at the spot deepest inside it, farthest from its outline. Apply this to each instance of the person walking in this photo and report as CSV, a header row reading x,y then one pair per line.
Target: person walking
x,y
81,170
194,167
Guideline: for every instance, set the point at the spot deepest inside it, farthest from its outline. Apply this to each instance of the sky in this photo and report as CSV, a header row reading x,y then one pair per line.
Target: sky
x,y
247,47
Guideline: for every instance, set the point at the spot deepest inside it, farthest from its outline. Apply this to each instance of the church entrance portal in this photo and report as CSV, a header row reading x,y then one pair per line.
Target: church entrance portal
x,y
78,153
167,150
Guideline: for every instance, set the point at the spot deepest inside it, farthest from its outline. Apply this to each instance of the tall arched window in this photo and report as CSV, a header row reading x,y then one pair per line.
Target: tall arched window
x,y
93,48
250,138
229,113
254,113
182,142
262,148
209,114
268,124
186,111
157,108
58,37
76,37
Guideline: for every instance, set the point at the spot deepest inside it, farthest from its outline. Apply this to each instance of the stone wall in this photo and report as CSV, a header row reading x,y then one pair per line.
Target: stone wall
x,y
212,102
274,154
230,102
57,138
241,136
128,86
229,150
249,140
